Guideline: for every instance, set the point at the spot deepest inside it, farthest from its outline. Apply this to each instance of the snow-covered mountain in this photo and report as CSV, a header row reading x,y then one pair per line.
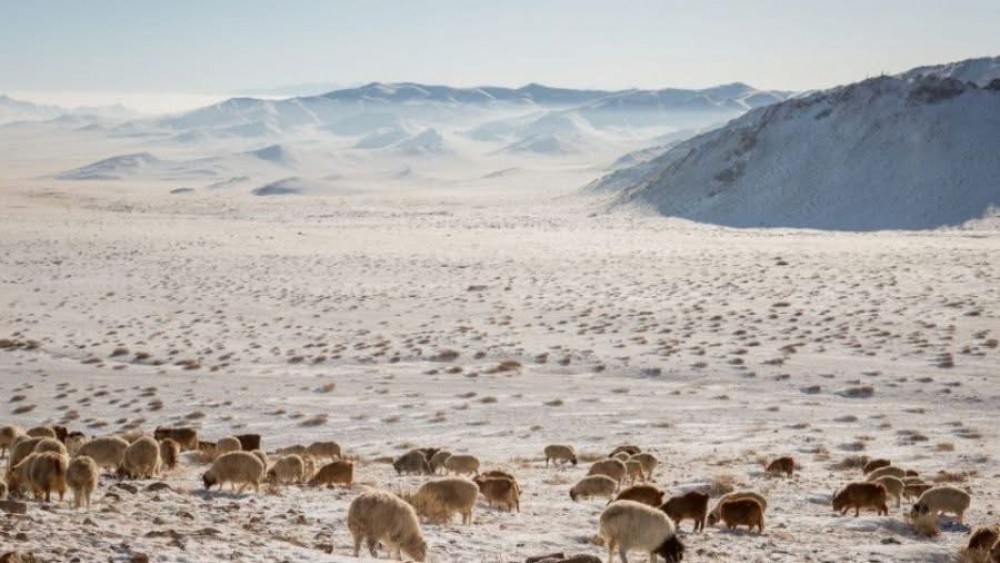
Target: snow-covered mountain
x,y
909,152
979,71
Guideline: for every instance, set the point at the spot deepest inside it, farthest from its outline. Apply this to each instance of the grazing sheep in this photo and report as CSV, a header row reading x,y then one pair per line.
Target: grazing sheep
x,y
494,473
106,451
18,475
261,456
8,435
783,465
81,476
429,452
942,499
226,445
170,452
48,473
42,432
324,450
874,464
501,490
412,461
242,468
984,538
634,470
890,470
73,442
914,490
743,512
334,473
297,449
22,448
693,505
594,486
437,461
141,459
613,468
861,495
630,449
461,464
378,516
995,553
560,454
893,487
50,445
437,500
650,495
288,469
248,442
648,462
632,526
186,437
716,514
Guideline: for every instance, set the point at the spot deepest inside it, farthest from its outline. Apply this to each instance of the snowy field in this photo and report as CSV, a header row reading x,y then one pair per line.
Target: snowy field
x,y
715,349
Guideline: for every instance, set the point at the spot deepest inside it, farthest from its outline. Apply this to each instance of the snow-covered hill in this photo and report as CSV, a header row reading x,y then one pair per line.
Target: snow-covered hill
x,y
909,152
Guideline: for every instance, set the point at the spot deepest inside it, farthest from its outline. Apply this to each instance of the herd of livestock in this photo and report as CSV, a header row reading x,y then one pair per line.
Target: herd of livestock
x,y
639,517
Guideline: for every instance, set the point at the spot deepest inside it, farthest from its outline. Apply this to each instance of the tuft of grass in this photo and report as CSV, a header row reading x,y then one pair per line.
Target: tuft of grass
x,y
944,447
554,403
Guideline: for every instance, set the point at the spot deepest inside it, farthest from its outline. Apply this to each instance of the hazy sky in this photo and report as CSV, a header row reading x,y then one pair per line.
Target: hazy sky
x,y
214,46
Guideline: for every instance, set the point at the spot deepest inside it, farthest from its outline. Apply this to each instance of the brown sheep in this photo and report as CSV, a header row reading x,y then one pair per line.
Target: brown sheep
x,y
8,435
42,432
324,450
914,490
51,445
21,449
170,452
248,442
560,453
744,512
650,495
82,475
48,473
783,465
501,490
335,473
861,495
238,468
610,467
984,538
186,437
494,473
716,513
693,505
875,464
995,553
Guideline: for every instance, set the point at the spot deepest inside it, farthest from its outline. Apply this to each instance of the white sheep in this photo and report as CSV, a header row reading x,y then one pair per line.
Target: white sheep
x,y
633,526
560,453
648,462
890,470
106,451
8,435
594,486
943,499
226,445
50,445
81,477
893,486
239,468
461,464
324,450
261,456
42,432
21,449
437,460
614,468
438,500
378,516
141,459
288,469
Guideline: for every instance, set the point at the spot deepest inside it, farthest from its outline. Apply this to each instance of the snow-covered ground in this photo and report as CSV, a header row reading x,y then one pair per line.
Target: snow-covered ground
x,y
715,349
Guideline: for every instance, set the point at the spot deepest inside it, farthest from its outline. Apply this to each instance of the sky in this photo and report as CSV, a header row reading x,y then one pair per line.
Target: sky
x,y
213,47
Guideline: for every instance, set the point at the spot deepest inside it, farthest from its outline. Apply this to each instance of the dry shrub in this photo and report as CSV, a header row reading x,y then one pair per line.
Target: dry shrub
x,y
925,525
862,392
944,447
317,420
445,356
505,366
851,462
554,403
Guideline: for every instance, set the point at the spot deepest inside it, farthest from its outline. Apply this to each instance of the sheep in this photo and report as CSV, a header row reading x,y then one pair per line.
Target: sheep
x,y
437,500
334,473
648,462
783,465
634,470
42,432
186,437
942,499
914,490
632,526
874,464
378,516
288,469
891,470
3,490
310,468
73,442
82,476
170,452
141,459
20,449
495,473
437,461
460,464
630,449
594,486
107,451
226,445
238,467
716,514
248,442
132,435
18,475
693,505
613,468
984,538
8,435
429,452
297,449
412,461
501,490
650,495
893,487
861,495
261,456
47,473
995,553
743,512
560,453
50,445
324,450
